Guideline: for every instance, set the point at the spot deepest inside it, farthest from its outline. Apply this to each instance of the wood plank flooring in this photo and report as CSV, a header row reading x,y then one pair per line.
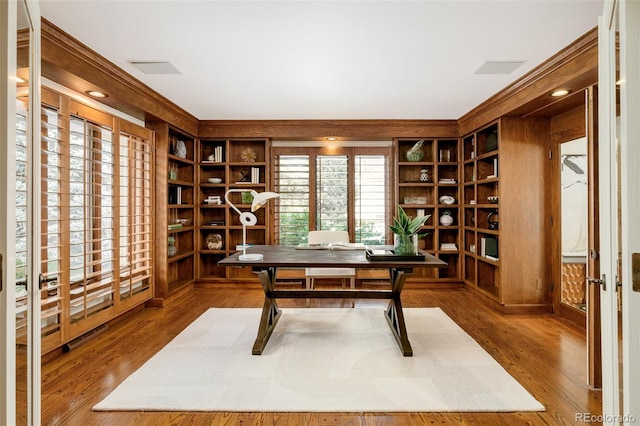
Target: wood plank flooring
x,y
547,356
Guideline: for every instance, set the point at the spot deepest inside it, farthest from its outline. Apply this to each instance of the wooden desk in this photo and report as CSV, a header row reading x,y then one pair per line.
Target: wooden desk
x,y
284,256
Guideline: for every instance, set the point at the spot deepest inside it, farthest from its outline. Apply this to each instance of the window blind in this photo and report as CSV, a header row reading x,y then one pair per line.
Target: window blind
x,y
51,215
371,198
332,203
315,189
135,246
292,209
91,217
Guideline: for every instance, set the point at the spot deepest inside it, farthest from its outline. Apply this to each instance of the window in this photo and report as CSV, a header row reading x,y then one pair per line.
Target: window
x,y
22,212
345,190
292,209
51,218
91,216
135,249
371,198
332,188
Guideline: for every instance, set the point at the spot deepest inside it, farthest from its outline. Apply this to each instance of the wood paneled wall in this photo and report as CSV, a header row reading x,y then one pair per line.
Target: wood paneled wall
x,y
319,129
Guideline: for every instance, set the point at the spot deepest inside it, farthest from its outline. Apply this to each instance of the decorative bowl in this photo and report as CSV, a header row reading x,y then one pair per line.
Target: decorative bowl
x,y
214,180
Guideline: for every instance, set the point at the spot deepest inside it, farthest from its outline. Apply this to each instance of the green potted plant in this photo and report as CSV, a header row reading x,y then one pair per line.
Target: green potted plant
x,y
405,230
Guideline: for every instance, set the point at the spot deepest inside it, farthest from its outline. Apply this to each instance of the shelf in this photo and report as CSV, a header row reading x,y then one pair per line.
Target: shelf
x,y
441,160
179,256
232,154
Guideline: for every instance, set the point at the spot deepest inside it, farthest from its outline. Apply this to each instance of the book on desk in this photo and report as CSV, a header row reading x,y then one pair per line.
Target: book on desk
x,y
332,246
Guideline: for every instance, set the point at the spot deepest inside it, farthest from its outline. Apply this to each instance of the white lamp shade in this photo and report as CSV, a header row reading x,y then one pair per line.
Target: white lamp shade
x,y
261,198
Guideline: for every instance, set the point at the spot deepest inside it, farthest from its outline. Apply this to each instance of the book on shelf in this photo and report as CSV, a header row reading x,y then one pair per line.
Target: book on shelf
x,y
489,247
175,194
255,175
446,180
448,246
216,157
174,226
332,246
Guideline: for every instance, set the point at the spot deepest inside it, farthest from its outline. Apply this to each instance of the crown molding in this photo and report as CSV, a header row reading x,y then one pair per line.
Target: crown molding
x,y
71,63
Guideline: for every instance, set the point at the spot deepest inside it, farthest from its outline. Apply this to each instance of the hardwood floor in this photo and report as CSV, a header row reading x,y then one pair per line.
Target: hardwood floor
x,y
545,355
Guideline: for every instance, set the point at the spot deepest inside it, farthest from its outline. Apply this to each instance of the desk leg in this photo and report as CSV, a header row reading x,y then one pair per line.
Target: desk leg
x,y
270,312
394,314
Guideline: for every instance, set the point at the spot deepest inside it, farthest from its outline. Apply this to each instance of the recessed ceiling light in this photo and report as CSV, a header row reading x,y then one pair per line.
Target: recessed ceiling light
x,y
560,92
332,138
96,94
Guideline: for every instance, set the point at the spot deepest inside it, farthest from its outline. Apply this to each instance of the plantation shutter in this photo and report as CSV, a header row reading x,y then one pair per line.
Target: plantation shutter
x,y
292,209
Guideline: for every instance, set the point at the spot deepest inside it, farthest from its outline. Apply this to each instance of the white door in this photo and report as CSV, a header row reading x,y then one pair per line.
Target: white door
x,y
629,18
619,205
19,212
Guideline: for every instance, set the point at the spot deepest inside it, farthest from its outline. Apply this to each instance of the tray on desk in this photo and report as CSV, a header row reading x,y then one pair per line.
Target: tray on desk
x,y
385,255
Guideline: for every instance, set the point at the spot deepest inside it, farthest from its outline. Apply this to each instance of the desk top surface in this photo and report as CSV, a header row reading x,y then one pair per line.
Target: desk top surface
x,y
290,257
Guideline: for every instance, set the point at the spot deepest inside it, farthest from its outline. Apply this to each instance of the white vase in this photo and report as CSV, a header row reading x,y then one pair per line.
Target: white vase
x,y
446,220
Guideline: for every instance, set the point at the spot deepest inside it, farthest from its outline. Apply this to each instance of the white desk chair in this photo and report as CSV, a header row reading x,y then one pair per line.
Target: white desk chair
x,y
326,237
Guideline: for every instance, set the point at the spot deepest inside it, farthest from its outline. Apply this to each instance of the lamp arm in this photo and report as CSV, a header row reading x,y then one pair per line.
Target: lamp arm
x,y
226,199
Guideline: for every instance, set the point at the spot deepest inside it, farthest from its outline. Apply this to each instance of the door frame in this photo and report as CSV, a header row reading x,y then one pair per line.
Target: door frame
x,y
608,209
629,12
8,43
8,66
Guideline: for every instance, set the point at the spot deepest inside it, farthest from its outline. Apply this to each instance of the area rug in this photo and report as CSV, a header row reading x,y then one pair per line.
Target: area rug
x,y
327,359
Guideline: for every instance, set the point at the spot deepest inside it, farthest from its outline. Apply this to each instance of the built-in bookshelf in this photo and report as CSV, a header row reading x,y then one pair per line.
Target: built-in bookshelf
x,y
429,184
504,225
175,201
224,164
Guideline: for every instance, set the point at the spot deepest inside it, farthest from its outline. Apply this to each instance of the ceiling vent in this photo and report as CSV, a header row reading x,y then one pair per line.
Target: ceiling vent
x,y
498,67
155,67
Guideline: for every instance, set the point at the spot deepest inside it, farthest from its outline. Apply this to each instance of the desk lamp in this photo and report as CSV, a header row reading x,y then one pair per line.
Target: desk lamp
x,y
248,218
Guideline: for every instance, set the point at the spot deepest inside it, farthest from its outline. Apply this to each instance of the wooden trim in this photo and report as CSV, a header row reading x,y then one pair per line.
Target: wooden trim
x,y
575,67
316,129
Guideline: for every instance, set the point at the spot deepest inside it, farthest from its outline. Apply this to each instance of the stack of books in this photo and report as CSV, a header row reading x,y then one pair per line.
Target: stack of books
x,y
216,157
255,175
446,180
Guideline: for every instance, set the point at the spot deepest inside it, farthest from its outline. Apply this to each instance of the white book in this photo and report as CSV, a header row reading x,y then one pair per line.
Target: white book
x,y
332,246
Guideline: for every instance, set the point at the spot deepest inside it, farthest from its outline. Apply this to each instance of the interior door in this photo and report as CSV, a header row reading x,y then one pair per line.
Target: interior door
x,y
19,211
629,83
608,208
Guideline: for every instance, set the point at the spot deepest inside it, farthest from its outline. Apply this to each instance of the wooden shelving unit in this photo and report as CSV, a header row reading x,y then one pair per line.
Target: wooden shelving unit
x,y
481,198
504,227
175,192
415,194
237,163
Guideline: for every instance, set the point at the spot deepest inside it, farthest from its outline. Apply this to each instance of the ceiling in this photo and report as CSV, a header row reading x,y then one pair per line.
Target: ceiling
x,y
271,60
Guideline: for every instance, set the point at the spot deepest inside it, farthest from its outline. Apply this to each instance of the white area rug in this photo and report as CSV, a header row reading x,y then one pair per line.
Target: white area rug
x,y
329,359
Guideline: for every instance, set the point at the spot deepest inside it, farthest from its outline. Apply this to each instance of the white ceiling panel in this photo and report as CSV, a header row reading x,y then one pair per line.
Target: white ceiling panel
x,y
326,59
